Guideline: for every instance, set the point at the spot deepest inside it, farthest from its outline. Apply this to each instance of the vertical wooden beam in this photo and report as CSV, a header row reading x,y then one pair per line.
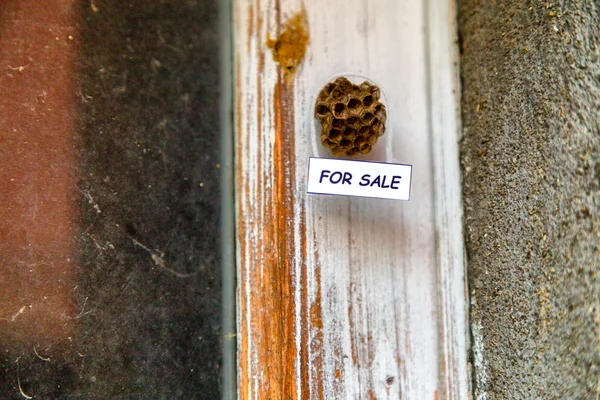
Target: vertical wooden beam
x,y
445,128
348,297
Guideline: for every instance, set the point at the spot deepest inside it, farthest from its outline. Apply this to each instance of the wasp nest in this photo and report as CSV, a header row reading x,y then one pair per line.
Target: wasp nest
x,y
352,117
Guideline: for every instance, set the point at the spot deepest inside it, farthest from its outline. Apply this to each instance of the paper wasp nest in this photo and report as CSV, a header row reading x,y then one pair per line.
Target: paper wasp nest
x,y
352,117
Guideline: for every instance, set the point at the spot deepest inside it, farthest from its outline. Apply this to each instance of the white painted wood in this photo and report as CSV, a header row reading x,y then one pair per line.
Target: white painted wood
x,y
445,126
388,276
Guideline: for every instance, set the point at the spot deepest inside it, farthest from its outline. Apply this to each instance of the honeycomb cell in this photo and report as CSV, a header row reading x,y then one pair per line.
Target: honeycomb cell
x,y
322,110
338,110
335,135
354,104
349,133
338,123
380,113
364,148
367,118
353,121
352,117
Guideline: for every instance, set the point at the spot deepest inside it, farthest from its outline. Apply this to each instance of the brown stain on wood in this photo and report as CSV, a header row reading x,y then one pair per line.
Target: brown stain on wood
x,y
304,317
290,46
352,299
281,265
351,325
250,25
268,353
316,325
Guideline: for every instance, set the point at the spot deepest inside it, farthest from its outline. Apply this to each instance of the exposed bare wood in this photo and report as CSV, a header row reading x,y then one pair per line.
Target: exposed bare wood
x,y
348,297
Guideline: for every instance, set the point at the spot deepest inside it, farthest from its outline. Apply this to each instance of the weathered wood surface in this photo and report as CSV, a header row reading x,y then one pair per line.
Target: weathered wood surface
x,y
347,297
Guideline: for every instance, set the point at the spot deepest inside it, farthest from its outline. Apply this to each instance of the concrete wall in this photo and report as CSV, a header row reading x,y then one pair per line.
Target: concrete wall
x,y
530,156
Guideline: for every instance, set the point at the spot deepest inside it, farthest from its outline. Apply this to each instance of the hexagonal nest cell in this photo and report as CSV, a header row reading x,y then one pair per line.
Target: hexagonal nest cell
x,y
351,115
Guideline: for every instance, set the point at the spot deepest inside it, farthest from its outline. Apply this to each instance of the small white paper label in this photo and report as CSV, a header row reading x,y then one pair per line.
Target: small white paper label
x,y
359,178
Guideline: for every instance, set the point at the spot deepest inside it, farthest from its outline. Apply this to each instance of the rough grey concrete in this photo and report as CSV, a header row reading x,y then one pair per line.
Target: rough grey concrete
x,y
531,170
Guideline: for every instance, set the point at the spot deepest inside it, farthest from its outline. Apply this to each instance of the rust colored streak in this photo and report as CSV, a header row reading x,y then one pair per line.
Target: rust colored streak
x,y
351,289
371,349
37,182
261,54
282,263
352,328
316,323
304,318
251,6
268,355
